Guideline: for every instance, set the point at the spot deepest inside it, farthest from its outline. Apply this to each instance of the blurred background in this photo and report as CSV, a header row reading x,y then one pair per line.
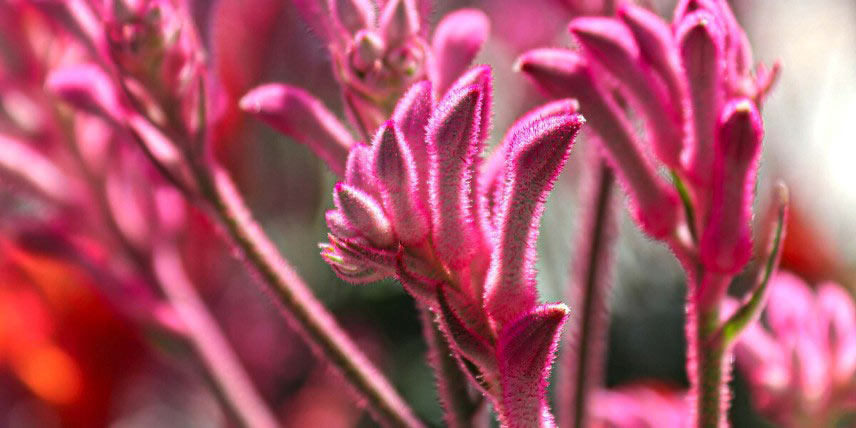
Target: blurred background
x,y
95,366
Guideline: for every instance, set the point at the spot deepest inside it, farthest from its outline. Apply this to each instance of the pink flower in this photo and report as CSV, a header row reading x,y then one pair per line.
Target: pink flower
x,y
469,261
691,85
801,362
376,59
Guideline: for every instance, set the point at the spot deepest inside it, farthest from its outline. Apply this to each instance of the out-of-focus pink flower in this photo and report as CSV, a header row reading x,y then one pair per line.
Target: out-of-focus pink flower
x,y
801,362
471,261
376,59
640,405
691,85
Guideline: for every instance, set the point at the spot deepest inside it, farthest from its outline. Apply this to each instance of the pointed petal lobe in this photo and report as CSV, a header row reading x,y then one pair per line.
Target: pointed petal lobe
x,y
525,353
535,158
299,115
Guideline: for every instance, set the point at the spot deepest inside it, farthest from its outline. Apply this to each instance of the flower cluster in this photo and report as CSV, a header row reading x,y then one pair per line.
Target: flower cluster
x,y
691,85
375,60
801,367
418,204
692,88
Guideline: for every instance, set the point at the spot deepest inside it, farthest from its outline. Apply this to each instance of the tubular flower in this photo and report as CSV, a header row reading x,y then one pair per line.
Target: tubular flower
x,y
801,366
375,59
469,260
691,87
681,80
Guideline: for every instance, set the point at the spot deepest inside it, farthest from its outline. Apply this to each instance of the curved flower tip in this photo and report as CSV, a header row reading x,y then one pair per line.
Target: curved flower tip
x,y
562,73
299,115
702,51
535,157
492,176
607,38
363,214
87,87
453,140
726,243
457,40
553,71
395,172
525,352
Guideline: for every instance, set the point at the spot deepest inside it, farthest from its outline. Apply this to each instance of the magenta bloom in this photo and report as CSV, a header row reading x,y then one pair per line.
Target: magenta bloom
x,y
467,250
801,363
691,85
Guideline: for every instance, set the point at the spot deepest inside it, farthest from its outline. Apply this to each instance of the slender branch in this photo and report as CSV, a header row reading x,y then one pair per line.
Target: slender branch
x,y
209,342
461,407
590,283
162,267
275,274
309,315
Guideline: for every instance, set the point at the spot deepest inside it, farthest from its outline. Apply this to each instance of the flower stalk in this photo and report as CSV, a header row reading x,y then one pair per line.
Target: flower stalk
x,y
590,285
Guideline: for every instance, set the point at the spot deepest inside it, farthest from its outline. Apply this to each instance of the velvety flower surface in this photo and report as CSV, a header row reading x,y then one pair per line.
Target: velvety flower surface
x,y
469,260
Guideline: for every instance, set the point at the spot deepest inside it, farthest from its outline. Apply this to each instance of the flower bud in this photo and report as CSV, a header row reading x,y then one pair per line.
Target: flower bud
x,y
398,22
395,172
363,214
411,115
453,135
297,114
726,243
700,38
611,44
366,51
457,40
535,158
89,88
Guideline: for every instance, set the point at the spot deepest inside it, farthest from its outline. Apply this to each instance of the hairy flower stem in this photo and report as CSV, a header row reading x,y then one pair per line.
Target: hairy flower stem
x,y
461,407
708,366
590,282
308,314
